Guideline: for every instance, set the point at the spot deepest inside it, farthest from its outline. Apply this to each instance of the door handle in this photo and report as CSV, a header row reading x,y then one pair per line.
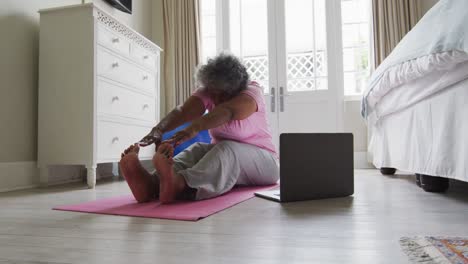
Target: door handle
x,y
272,100
281,91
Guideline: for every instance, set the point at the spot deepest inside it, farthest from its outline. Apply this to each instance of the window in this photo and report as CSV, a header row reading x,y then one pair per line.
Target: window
x,y
248,37
356,45
306,45
306,54
208,29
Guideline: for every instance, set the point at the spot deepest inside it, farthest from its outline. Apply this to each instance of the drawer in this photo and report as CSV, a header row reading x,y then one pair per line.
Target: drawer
x,y
113,40
113,138
115,100
121,70
143,56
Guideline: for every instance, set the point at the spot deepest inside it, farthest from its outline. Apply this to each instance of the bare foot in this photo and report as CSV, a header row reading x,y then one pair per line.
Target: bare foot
x,y
171,184
132,149
138,178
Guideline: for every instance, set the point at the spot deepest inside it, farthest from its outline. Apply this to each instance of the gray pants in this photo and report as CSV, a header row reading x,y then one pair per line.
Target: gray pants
x,y
213,169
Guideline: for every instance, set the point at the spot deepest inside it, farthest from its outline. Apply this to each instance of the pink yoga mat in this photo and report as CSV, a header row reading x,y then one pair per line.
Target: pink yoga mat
x,y
181,210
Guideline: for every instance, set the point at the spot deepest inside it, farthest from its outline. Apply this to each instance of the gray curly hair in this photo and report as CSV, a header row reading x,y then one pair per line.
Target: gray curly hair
x,y
224,73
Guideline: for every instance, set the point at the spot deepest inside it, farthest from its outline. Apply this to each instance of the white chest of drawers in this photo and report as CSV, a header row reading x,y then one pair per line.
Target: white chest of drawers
x,y
98,89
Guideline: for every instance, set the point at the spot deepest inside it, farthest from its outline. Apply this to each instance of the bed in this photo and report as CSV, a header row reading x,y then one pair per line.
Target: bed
x,y
416,105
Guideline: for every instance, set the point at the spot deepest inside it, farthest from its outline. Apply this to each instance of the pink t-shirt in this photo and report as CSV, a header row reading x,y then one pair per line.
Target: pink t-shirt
x,y
253,130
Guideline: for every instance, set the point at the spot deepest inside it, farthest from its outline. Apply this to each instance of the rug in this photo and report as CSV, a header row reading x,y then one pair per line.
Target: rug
x,y
181,210
436,250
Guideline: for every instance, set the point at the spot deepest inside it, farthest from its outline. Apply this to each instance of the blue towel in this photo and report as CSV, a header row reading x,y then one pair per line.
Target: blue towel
x,y
203,136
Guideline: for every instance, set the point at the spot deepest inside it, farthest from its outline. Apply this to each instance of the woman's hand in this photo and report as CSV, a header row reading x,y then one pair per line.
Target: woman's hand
x,y
155,136
183,135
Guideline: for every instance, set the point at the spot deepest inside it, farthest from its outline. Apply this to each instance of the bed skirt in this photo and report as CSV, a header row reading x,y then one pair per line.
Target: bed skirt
x,y
430,137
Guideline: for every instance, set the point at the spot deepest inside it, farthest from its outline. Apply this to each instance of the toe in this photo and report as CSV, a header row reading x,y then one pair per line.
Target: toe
x,y
136,148
162,149
127,150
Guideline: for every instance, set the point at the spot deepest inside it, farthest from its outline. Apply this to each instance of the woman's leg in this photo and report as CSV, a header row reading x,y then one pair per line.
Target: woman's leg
x,y
227,164
144,188
191,156
172,185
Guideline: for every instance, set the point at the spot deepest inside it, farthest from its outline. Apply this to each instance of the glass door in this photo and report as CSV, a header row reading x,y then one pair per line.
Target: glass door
x,y
293,49
251,38
307,78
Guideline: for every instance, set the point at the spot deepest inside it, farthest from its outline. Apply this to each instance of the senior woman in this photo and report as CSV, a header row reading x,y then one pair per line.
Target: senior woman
x,y
241,151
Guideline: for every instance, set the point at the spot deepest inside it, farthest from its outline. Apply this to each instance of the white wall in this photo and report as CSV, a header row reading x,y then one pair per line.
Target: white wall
x,y
19,28
354,123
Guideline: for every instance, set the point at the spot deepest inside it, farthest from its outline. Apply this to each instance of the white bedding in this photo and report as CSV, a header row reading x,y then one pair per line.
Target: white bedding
x,y
437,44
410,82
403,91
429,137
416,103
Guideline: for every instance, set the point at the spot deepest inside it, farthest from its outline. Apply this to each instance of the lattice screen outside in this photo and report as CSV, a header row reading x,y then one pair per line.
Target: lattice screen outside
x,y
301,70
257,67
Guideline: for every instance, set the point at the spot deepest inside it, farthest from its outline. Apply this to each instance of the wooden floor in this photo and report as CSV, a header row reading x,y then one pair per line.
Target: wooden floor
x,y
364,228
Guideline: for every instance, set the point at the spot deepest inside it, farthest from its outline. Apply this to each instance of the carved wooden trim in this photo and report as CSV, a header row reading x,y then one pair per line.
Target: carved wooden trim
x,y
125,31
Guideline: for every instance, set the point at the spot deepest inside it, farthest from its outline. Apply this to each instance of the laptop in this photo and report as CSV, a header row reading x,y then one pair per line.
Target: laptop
x,y
314,166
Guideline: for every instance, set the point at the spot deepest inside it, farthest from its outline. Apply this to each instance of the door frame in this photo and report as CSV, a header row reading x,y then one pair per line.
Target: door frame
x,y
335,58
277,53
334,45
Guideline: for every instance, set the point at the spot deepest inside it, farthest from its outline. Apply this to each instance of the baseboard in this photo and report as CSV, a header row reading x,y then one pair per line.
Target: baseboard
x,y
65,174
361,161
25,175
62,174
18,175
65,181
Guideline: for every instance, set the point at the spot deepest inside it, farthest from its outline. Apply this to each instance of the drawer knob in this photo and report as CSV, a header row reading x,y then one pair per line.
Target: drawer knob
x,y
115,98
145,77
115,139
115,65
115,40
145,106
145,57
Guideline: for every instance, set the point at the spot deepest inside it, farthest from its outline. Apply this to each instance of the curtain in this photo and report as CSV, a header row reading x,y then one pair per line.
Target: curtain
x,y
392,19
181,49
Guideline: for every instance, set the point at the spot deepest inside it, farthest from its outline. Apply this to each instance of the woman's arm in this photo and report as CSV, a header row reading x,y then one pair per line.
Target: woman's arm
x,y
238,108
192,109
